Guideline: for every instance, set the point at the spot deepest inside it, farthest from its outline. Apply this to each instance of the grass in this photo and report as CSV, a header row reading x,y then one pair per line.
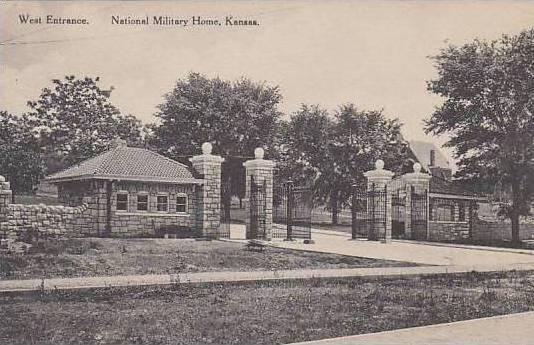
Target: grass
x,y
101,256
272,312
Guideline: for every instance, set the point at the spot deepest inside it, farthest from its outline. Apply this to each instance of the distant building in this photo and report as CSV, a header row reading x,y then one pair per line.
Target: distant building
x,y
431,159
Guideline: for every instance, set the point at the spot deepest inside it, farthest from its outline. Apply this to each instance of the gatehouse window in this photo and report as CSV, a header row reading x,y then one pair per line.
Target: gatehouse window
x,y
162,203
181,203
142,202
461,212
444,213
122,201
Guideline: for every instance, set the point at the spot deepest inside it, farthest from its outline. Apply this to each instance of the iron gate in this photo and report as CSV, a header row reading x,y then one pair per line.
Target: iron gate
x,y
225,209
419,216
369,212
258,206
292,207
398,212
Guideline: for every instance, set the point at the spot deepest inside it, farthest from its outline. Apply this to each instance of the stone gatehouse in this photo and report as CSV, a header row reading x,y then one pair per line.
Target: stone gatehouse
x,y
125,191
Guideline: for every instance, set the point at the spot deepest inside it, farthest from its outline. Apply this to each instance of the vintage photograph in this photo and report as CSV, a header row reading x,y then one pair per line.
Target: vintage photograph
x,y
267,172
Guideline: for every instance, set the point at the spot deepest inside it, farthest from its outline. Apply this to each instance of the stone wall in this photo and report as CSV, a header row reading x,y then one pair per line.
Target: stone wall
x,y
91,193
448,231
501,230
482,230
28,222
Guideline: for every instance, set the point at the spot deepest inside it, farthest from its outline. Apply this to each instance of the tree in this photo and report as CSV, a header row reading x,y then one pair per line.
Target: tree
x,y
303,143
335,151
488,91
19,155
235,117
75,120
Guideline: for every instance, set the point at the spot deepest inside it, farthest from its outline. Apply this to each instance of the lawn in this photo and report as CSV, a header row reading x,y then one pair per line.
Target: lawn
x,y
272,312
106,256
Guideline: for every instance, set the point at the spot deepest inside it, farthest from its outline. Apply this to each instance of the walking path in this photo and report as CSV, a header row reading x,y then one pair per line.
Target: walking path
x,y
513,329
213,277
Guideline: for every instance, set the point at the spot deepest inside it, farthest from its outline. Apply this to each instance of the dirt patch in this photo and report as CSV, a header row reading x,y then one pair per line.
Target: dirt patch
x,y
101,257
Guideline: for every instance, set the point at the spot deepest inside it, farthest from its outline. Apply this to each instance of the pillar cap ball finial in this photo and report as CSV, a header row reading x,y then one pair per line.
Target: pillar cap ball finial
x,y
2,178
206,148
416,167
259,153
379,164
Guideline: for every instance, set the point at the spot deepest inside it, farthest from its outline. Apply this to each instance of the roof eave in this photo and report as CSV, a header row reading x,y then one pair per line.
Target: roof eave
x,y
125,178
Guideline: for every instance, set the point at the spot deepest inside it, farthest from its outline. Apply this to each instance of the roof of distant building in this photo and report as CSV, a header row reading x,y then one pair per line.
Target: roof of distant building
x,y
422,149
128,163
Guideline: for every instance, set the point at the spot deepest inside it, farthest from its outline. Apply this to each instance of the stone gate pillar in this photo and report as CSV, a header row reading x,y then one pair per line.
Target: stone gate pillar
x,y
380,200
5,200
261,171
419,183
208,203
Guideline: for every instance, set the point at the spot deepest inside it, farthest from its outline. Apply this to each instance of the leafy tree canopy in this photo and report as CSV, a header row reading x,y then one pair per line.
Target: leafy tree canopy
x,y
19,154
488,91
75,120
333,152
234,116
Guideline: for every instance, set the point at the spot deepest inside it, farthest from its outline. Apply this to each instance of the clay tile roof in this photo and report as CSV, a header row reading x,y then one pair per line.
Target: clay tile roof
x,y
128,163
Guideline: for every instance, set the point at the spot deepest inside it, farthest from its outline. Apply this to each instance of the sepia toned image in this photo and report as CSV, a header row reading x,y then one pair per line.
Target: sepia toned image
x,y
267,172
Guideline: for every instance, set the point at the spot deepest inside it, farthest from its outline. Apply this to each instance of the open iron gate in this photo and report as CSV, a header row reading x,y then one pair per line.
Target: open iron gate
x,y
225,209
292,208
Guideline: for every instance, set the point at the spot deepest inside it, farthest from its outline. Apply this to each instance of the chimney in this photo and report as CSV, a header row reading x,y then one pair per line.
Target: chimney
x,y
117,143
432,158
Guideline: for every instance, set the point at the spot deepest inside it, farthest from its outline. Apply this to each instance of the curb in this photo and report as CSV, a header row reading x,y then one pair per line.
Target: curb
x,y
471,247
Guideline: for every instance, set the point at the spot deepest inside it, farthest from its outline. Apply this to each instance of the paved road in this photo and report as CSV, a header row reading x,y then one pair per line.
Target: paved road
x,y
514,329
443,255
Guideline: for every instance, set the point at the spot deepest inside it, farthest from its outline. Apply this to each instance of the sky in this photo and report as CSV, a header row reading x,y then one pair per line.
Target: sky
x,y
371,53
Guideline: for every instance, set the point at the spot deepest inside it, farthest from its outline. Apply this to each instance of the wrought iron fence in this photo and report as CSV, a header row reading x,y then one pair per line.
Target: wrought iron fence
x,y
398,213
419,216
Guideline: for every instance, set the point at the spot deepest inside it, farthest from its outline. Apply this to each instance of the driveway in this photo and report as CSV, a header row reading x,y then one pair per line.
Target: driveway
x,y
421,253
508,329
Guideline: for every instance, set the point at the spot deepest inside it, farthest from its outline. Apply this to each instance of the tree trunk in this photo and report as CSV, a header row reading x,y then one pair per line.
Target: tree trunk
x,y
514,216
334,204
240,202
